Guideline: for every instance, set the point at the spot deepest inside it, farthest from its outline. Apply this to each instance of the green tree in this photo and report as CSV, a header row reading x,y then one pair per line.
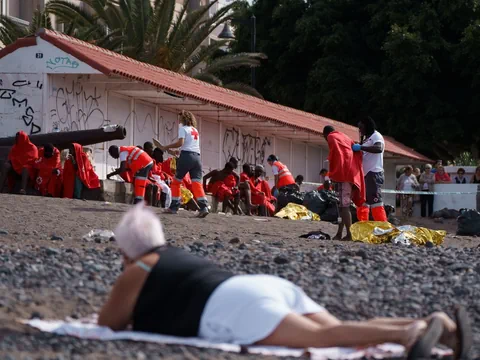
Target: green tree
x,y
10,31
154,33
411,64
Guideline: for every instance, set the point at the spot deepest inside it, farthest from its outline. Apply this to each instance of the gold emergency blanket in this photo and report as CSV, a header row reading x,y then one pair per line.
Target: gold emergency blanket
x,y
297,212
376,232
186,195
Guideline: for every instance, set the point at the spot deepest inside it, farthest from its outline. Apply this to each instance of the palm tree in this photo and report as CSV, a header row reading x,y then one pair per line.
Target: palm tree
x,y
153,32
10,30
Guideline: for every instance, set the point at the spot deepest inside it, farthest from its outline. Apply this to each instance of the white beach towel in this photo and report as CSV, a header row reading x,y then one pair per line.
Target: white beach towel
x,y
89,330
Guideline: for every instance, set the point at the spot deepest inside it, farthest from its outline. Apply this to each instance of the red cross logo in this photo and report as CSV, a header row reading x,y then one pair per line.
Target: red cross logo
x,y
194,133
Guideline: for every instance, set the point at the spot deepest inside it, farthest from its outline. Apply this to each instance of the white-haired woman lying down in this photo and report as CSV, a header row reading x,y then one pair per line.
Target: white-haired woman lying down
x,y
169,291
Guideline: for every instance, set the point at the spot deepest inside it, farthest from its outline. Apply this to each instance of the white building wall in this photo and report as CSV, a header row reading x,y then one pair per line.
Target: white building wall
x,y
43,89
298,162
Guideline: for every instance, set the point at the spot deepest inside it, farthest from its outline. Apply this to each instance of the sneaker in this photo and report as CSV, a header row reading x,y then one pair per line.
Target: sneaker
x,y
203,213
170,211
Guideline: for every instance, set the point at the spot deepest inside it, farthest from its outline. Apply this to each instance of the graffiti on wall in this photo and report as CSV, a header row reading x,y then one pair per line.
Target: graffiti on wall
x,y
62,62
246,147
144,124
20,104
75,107
168,129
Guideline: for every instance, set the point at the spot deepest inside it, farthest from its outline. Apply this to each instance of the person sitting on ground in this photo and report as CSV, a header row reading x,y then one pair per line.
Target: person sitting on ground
x,y
284,180
219,306
223,185
246,188
160,178
460,178
48,172
323,175
264,188
21,159
442,177
327,186
299,181
476,177
78,173
346,171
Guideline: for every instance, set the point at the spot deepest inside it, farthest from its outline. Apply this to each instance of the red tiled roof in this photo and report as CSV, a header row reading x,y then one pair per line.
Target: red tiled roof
x,y
111,63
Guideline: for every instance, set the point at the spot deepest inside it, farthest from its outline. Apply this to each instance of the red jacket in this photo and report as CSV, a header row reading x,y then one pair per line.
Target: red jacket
x,y
346,165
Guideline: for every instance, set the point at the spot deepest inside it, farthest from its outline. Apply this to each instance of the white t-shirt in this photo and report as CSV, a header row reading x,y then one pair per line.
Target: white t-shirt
x,y
191,139
275,169
373,162
408,184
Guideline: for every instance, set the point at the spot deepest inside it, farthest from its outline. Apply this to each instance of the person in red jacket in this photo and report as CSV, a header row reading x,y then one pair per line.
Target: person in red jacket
x,y
245,187
78,173
347,172
20,163
224,187
48,168
264,188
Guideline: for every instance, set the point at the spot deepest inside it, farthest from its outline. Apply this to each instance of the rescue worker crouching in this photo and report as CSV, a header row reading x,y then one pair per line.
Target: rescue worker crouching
x,y
138,162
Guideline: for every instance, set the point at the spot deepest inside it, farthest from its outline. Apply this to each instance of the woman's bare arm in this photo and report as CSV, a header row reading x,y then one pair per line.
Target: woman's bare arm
x,y
117,312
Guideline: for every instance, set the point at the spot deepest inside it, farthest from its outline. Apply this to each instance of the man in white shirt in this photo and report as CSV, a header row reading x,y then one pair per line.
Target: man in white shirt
x,y
373,145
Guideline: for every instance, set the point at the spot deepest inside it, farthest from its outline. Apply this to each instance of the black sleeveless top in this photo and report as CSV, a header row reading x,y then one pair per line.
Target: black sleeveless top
x,y
175,293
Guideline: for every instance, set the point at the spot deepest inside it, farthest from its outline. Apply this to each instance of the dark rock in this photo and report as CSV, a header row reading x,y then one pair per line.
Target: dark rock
x,y
36,315
362,253
235,240
243,246
281,259
53,251
458,267
429,244
3,232
56,238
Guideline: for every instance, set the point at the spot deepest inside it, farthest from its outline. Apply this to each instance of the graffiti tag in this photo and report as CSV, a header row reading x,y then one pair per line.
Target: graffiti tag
x,y
19,101
62,62
74,108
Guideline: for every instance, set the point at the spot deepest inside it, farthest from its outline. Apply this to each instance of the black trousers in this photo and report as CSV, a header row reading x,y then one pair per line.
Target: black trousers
x,y
426,200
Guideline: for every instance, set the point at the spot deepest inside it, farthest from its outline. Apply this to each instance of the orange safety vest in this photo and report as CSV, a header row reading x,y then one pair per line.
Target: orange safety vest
x,y
137,158
285,178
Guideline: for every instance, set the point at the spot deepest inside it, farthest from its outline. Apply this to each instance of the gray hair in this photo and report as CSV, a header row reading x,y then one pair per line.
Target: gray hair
x,y
139,231
428,166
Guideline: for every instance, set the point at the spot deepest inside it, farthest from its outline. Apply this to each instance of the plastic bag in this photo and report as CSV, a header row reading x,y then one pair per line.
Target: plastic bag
x,y
468,223
446,213
314,202
99,235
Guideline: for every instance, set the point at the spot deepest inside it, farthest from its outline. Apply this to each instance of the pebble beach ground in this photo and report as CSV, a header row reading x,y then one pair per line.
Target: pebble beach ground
x,y
48,271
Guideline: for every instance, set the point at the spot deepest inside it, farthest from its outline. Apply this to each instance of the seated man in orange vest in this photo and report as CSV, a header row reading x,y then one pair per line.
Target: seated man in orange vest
x,y
264,188
224,187
284,180
48,174
138,162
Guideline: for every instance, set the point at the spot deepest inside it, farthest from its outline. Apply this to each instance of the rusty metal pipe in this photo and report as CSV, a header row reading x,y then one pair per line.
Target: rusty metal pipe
x,y
61,140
